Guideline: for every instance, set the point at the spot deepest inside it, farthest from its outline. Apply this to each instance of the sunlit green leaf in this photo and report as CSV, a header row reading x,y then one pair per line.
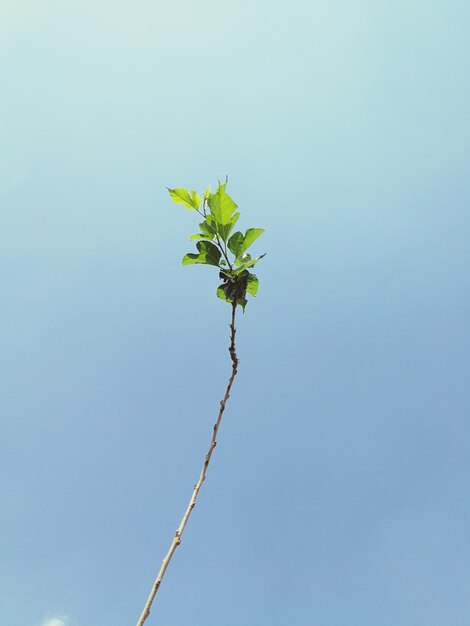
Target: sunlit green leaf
x,y
190,199
251,235
224,230
238,242
221,205
235,217
196,198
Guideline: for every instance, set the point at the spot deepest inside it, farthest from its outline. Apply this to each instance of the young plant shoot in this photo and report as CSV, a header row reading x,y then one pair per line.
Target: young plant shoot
x,y
219,246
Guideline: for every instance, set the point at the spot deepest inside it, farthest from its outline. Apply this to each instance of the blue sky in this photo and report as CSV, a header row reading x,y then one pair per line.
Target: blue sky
x,y
339,492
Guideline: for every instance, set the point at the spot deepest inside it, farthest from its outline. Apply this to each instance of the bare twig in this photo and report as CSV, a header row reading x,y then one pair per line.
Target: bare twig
x,y
178,534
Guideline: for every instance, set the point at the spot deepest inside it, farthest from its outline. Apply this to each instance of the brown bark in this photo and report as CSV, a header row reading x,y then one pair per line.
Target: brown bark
x,y
179,532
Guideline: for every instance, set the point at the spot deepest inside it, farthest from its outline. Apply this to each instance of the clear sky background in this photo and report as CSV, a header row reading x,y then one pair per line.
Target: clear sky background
x,y
339,493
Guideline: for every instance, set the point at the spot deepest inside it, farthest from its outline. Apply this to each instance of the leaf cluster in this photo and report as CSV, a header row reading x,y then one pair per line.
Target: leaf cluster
x,y
218,245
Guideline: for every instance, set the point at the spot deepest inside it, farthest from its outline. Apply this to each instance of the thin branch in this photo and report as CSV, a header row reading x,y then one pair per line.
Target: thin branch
x,y
179,532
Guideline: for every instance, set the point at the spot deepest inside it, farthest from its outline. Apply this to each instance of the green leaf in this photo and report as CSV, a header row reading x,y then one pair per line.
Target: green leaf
x,y
196,198
225,274
221,205
250,263
209,254
252,284
251,236
235,217
199,236
235,243
244,258
190,199
242,302
238,242
211,223
222,293
208,226
225,229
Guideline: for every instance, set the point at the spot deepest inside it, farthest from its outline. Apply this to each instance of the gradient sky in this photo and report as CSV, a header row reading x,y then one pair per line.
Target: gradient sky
x,y
339,493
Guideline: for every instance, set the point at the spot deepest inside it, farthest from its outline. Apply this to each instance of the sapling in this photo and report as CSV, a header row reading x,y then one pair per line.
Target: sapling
x,y
217,246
